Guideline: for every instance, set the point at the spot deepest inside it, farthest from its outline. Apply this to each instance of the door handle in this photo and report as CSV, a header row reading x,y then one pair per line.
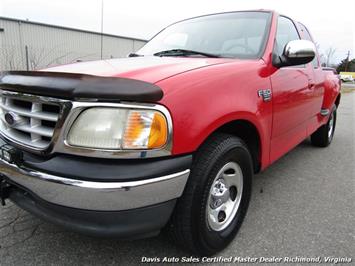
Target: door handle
x,y
311,85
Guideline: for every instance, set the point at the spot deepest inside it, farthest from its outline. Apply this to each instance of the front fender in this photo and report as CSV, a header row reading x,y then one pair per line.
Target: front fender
x,y
201,101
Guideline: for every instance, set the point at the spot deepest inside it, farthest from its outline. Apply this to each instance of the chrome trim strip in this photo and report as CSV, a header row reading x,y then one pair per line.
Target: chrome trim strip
x,y
102,196
71,110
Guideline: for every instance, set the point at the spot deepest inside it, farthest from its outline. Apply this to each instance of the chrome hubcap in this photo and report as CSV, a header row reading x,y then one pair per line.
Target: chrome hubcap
x,y
225,195
331,126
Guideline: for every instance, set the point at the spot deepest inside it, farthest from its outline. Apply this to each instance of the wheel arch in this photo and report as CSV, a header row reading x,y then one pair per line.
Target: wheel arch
x,y
337,100
246,131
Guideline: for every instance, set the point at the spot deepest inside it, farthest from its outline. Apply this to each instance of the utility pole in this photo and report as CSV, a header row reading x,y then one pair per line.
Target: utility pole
x,y
21,45
102,26
347,62
27,59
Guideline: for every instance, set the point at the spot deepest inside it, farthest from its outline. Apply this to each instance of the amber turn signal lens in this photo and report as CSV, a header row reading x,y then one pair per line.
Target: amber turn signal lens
x,y
145,129
158,132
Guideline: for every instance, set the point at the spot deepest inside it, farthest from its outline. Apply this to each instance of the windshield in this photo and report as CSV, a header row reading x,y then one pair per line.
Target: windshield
x,y
236,35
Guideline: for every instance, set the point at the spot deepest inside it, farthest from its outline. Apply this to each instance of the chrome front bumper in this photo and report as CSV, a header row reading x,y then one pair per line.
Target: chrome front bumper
x,y
98,196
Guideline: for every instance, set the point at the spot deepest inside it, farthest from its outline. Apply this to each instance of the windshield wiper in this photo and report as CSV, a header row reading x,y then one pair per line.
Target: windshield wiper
x,y
134,55
183,52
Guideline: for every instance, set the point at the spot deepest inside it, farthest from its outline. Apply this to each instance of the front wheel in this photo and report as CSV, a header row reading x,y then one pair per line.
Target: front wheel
x,y
215,201
324,135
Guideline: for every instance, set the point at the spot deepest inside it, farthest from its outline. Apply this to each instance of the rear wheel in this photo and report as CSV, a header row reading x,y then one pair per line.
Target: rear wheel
x,y
214,203
324,135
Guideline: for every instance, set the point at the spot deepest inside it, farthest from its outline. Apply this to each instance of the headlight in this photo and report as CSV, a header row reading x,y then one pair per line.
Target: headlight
x,y
118,128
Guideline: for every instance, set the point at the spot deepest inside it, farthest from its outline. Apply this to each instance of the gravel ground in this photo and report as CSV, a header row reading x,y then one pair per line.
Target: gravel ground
x,y
303,205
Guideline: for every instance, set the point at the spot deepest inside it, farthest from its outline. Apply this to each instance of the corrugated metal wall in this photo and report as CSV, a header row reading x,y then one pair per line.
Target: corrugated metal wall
x,y
34,45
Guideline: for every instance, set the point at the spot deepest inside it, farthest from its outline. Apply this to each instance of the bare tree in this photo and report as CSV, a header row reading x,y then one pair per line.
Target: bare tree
x,y
329,54
320,54
38,57
9,58
35,58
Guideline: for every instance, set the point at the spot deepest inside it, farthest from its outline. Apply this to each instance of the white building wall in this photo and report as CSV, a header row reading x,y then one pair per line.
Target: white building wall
x,y
34,46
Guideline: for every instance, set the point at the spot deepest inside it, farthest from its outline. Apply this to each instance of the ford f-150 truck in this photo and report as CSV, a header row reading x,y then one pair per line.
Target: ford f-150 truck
x,y
169,137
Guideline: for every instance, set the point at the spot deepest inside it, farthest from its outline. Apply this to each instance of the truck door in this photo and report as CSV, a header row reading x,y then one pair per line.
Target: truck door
x,y
317,90
291,88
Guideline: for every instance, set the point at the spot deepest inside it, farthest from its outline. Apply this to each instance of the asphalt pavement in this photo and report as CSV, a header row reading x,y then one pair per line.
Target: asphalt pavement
x,y
348,85
301,206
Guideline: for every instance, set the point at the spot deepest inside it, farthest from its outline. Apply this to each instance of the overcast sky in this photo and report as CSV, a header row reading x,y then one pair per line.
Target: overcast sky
x,y
331,23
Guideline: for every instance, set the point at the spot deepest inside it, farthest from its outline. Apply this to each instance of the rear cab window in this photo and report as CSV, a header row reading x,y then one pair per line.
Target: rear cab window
x,y
307,36
286,32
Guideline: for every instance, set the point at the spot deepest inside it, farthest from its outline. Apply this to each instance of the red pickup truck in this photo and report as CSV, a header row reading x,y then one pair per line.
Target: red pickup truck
x,y
169,137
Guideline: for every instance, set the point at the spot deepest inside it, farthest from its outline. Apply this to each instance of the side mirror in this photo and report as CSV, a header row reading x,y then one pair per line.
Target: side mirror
x,y
297,52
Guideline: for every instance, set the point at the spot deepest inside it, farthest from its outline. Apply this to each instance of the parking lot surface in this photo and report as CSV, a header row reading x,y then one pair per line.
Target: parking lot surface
x,y
303,205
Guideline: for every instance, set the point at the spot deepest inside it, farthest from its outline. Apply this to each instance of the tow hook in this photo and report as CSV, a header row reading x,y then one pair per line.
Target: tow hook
x,y
4,190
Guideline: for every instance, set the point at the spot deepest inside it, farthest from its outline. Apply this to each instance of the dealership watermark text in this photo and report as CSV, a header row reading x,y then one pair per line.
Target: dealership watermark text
x,y
247,259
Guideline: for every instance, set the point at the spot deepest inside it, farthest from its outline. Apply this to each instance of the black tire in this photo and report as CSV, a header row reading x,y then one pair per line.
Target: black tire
x,y
324,135
189,224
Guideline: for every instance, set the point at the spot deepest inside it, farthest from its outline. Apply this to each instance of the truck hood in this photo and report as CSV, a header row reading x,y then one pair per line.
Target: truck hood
x,y
149,68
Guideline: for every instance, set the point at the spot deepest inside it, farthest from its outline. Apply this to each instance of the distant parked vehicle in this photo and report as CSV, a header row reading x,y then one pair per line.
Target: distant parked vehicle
x,y
345,78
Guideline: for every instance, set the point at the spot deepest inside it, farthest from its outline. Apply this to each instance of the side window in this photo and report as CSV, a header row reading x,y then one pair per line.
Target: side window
x,y
286,31
307,36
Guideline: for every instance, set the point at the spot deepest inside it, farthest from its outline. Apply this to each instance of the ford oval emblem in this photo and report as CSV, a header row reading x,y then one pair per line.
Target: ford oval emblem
x,y
10,118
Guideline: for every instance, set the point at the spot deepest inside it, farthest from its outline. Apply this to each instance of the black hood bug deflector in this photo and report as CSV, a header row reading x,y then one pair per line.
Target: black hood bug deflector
x,y
75,86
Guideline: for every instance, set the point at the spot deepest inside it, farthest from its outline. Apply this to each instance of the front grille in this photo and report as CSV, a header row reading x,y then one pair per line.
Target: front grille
x,y
28,120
